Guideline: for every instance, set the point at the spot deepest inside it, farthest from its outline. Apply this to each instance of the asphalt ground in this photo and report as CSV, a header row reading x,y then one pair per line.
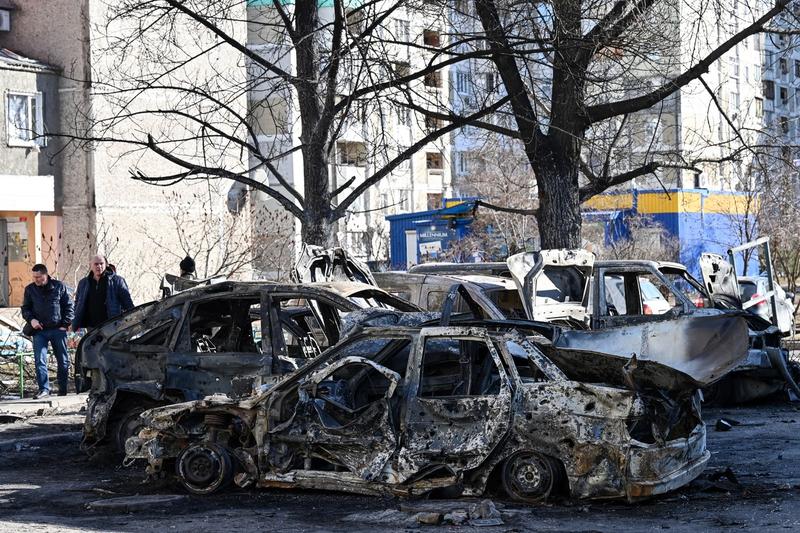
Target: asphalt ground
x,y
48,484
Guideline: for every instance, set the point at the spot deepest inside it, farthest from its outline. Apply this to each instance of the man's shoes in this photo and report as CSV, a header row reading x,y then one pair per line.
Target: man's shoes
x,y
41,394
62,393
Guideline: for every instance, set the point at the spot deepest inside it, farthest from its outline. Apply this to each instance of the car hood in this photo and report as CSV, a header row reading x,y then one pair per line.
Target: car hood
x,y
704,345
629,373
329,264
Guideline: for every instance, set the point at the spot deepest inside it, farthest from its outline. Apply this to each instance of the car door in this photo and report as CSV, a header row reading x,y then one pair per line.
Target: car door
x,y
459,401
620,297
223,348
348,411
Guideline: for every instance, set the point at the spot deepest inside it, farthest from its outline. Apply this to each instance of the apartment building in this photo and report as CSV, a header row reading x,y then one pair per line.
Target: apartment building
x,y
28,184
375,131
81,198
781,89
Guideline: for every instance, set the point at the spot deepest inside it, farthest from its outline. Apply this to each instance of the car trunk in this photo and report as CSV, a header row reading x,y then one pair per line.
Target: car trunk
x,y
554,284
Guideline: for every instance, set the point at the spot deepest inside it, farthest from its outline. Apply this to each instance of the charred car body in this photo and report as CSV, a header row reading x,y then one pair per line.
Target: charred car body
x,y
767,369
227,338
430,290
462,405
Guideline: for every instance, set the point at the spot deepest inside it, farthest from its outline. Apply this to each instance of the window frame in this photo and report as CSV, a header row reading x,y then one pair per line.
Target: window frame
x,y
37,128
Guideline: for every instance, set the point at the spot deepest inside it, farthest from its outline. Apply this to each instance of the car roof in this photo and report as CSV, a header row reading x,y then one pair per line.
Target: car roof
x,y
339,288
632,262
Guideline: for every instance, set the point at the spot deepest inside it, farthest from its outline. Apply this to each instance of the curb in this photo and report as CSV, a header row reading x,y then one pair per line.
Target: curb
x,y
46,440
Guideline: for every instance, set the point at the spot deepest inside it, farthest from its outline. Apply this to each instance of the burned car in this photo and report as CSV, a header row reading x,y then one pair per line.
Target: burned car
x,y
430,290
462,405
768,369
227,338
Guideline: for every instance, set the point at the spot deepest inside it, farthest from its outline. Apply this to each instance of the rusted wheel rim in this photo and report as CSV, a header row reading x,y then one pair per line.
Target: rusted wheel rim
x,y
204,468
529,476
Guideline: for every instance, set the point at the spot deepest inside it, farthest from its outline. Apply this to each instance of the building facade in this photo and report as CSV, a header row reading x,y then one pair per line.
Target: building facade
x,y
94,205
30,183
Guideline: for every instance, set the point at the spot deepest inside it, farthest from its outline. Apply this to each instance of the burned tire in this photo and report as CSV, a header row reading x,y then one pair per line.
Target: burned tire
x,y
204,468
531,477
127,425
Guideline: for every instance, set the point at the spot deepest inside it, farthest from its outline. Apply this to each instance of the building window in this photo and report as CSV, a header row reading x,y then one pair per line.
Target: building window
x,y
401,70
462,163
355,21
403,30
431,38
797,68
434,161
351,154
489,81
433,79
759,107
405,200
734,101
769,58
785,124
784,64
784,92
432,124
24,119
434,200
462,82
769,89
735,67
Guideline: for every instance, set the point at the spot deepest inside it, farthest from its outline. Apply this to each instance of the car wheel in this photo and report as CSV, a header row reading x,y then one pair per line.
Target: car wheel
x,y
127,426
530,476
204,468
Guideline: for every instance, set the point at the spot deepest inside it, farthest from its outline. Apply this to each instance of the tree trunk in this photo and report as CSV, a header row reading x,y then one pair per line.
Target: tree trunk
x,y
318,226
559,214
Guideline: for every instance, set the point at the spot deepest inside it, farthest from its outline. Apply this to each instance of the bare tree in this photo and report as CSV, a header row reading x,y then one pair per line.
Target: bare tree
x,y
498,174
315,68
579,73
646,239
218,240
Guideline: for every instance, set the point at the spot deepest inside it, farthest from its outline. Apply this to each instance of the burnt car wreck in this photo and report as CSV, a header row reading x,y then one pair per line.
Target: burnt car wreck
x,y
465,404
231,338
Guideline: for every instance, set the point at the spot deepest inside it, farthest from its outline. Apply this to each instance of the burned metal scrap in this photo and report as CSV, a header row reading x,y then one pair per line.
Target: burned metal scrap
x,y
231,338
474,406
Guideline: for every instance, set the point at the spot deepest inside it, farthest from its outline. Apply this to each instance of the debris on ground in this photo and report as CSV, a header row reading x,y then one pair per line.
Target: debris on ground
x,y
430,519
718,481
481,513
726,424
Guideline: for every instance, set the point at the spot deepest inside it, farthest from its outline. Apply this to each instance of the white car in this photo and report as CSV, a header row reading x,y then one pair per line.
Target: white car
x,y
753,290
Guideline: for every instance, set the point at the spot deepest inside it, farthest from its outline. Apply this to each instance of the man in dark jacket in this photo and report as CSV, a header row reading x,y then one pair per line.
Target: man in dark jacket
x,y
100,296
48,308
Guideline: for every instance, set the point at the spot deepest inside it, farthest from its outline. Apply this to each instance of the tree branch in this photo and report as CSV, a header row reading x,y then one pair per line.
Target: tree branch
x,y
339,211
599,112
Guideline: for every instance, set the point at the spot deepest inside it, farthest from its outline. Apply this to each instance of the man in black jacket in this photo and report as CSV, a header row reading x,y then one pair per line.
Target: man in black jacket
x,y
48,308
101,295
